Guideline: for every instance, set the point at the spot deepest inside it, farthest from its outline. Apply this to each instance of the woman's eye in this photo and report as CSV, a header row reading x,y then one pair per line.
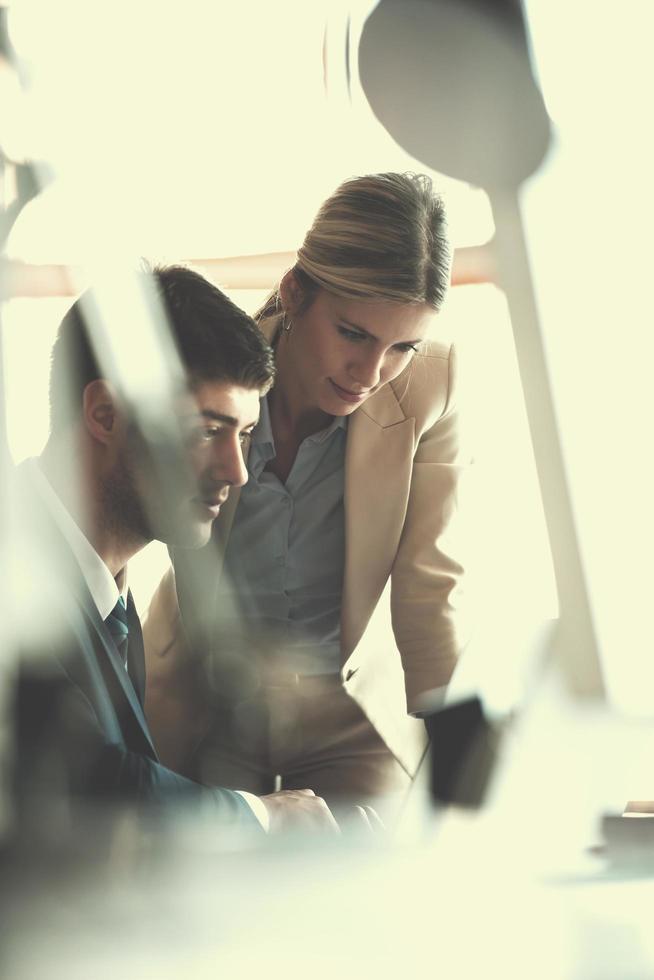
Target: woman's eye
x,y
406,348
351,334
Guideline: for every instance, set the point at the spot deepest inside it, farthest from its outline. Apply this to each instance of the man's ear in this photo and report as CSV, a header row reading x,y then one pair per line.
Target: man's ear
x,y
99,410
291,293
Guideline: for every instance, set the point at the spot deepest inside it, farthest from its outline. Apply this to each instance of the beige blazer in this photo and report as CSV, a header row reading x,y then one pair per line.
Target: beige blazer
x,y
399,623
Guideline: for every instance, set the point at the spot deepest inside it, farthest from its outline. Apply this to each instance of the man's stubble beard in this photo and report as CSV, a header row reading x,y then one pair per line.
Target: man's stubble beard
x,y
127,491
124,514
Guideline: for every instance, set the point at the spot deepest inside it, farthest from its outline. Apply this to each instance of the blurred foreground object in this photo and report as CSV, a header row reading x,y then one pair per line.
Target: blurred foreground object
x,y
464,748
629,843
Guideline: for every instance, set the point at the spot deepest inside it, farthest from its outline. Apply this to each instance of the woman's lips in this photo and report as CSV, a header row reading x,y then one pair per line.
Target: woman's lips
x,y
352,397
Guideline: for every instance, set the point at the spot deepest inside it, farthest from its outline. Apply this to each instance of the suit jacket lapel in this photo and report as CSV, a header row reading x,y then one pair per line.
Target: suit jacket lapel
x,y
135,654
117,693
380,445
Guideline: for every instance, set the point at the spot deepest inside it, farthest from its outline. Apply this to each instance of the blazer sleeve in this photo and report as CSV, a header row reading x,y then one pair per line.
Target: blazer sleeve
x,y
68,745
426,580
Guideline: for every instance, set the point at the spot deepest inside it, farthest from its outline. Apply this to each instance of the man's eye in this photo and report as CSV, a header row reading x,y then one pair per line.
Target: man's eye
x,y
202,434
351,334
244,438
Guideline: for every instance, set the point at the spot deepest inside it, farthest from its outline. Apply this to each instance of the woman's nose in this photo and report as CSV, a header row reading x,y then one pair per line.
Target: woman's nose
x,y
367,368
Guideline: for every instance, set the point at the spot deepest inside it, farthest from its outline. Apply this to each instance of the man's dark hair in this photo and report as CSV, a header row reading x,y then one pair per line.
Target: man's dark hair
x,y
216,341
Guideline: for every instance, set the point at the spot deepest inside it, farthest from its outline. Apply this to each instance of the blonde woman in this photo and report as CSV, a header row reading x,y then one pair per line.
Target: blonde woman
x,y
331,583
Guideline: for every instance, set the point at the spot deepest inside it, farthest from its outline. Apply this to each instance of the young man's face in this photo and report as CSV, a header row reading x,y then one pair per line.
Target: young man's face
x,y
217,420
218,430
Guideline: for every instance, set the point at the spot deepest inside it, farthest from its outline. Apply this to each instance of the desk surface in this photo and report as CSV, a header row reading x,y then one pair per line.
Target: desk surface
x,y
346,910
513,889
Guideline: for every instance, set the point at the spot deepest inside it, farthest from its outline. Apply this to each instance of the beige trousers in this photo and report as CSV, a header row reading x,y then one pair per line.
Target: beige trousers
x,y
302,733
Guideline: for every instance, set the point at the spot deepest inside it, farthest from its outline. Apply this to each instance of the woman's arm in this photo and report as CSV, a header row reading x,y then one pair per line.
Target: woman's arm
x,y
428,569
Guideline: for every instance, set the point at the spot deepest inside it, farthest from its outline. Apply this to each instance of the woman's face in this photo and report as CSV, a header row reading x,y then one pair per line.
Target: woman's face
x,y
340,351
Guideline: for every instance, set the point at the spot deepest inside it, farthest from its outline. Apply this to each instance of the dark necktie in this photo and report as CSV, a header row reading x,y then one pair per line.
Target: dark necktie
x,y
116,623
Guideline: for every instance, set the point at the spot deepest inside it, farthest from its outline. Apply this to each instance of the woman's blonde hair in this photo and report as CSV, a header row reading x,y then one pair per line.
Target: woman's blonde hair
x,y
379,237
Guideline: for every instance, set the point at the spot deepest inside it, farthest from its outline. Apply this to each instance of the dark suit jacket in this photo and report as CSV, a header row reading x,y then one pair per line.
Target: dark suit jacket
x,y
81,734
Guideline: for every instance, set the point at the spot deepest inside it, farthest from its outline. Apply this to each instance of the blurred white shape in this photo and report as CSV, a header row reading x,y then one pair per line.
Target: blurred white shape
x,y
134,344
29,327
145,572
15,134
508,531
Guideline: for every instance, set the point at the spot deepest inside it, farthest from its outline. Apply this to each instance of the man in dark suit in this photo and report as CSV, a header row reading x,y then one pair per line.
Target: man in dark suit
x,y
101,490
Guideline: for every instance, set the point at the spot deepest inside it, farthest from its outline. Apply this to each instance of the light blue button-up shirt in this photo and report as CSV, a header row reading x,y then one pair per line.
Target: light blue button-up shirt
x,y
284,559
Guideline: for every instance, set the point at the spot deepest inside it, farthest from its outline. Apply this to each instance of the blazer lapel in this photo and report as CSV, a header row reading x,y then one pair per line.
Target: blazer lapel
x,y
378,458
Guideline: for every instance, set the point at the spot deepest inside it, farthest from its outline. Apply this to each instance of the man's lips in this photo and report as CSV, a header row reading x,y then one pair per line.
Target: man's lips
x,y
212,504
349,396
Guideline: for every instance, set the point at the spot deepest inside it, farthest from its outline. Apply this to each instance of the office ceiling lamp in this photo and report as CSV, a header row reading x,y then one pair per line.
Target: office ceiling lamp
x,y
452,82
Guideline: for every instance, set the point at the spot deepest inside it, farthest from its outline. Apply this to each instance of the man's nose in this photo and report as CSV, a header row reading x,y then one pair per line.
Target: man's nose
x,y
230,463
